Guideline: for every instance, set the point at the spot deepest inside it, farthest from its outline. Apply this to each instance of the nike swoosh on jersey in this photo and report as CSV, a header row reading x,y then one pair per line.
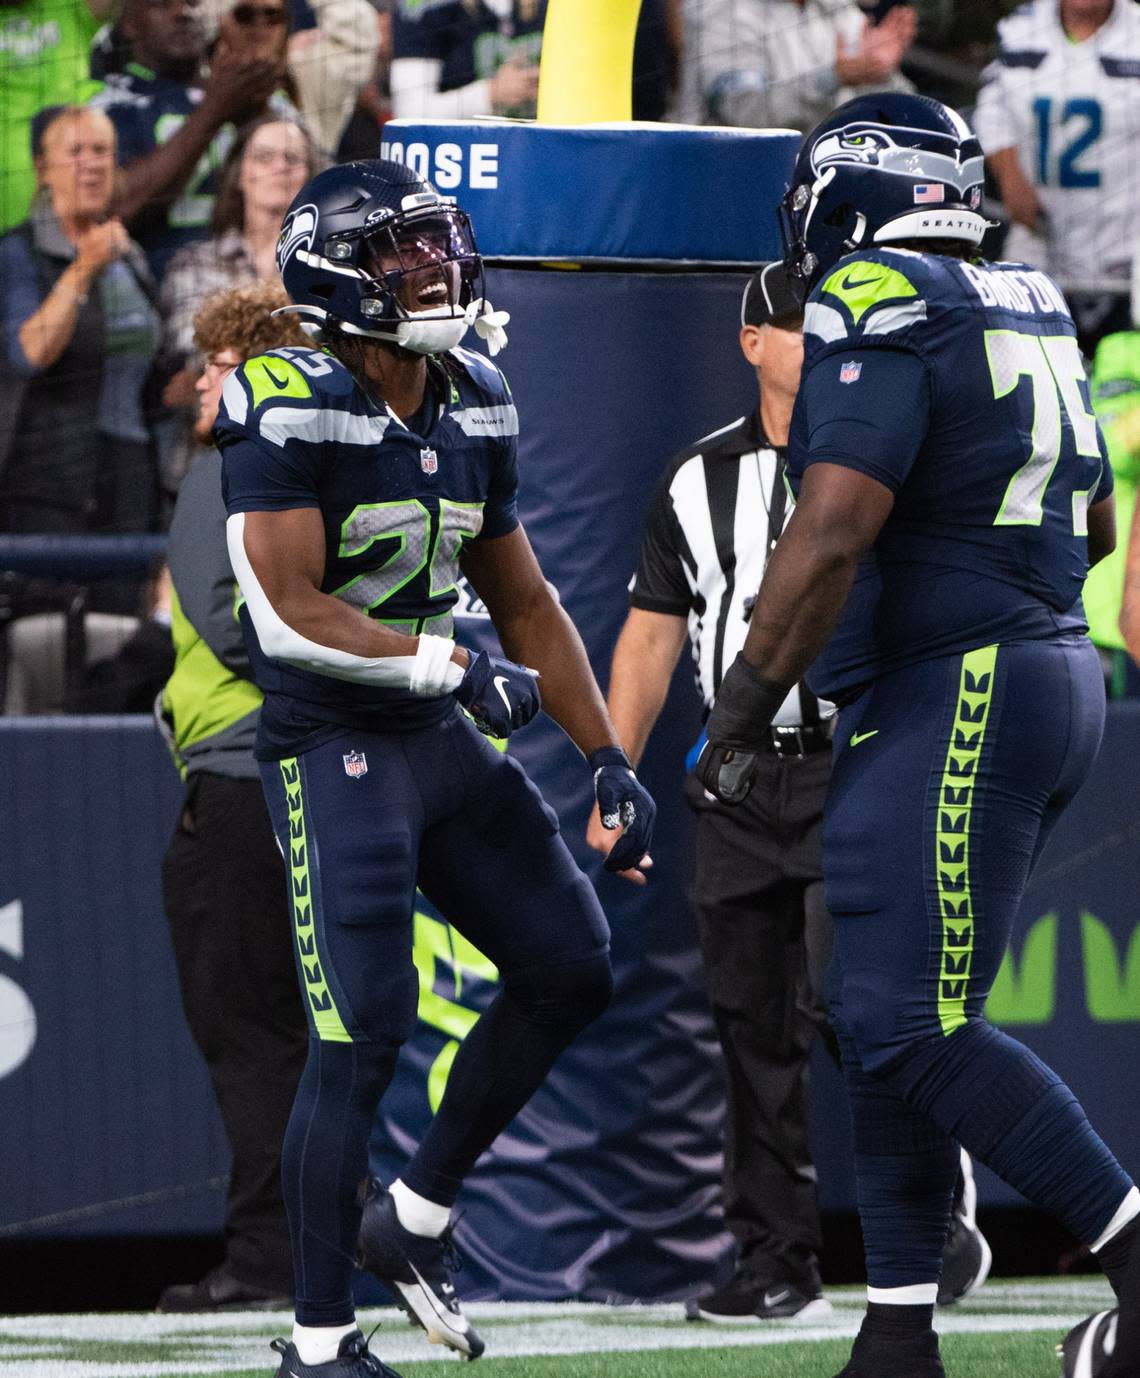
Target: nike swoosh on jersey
x,y
499,681
281,383
848,285
857,737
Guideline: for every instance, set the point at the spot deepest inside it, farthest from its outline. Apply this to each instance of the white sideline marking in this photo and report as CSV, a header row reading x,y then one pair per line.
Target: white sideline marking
x,y
52,1346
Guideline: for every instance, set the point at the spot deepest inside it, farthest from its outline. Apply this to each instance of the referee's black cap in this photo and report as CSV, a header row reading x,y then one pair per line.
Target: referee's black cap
x,y
773,295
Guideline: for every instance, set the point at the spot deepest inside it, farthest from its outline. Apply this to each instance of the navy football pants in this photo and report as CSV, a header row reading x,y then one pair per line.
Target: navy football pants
x,y
948,778
442,808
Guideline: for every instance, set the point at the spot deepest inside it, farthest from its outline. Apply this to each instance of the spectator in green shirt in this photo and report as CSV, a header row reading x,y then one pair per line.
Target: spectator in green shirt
x,y
45,48
1116,400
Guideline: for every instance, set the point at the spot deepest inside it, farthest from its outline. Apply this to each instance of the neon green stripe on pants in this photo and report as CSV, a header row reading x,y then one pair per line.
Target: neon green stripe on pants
x,y
955,806
327,1021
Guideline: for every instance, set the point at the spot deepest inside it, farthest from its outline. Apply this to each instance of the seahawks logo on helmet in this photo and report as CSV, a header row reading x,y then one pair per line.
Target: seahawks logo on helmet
x,y
871,145
298,232
853,144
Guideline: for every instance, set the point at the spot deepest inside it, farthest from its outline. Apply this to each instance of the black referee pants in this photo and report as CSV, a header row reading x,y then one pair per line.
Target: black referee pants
x,y
766,939
224,889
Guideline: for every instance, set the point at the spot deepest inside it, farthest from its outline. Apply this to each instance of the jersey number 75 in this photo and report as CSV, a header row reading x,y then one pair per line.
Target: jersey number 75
x,y
1054,367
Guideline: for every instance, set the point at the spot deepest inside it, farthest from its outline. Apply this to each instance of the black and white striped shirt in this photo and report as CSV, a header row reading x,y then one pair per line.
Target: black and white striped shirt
x,y
705,548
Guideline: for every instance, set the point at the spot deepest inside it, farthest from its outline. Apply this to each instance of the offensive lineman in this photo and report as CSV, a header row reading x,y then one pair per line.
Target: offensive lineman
x,y
952,490
358,482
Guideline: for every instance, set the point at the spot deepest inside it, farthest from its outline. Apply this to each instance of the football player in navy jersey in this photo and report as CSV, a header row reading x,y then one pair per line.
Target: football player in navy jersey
x,y
359,480
952,491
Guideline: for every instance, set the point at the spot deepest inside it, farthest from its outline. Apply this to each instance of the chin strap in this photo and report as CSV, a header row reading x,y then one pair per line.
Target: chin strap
x,y
424,332
489,324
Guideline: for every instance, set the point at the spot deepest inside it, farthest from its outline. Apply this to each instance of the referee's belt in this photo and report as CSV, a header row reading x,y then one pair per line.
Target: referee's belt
x,y
797,742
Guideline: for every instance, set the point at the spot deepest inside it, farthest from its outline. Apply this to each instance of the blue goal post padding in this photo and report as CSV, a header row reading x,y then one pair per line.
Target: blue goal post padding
x,y
606,193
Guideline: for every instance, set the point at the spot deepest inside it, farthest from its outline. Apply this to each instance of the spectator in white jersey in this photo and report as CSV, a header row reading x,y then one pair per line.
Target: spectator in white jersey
x,y
786,63
1059,119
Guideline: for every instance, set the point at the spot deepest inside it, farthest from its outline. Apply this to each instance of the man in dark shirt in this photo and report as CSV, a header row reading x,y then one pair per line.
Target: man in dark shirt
x,y
174,130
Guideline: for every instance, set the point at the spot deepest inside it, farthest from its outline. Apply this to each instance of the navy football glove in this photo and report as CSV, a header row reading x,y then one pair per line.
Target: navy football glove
x,y
623,802
738,731
499,694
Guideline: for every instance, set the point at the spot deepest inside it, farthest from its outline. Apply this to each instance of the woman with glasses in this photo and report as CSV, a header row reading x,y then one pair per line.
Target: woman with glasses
x,y
268,165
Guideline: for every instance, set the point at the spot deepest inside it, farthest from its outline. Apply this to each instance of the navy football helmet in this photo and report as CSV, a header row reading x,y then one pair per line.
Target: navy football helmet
x,y
369,249
881,169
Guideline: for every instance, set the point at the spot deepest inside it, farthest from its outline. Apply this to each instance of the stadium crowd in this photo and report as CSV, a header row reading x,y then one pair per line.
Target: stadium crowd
x,y
116,230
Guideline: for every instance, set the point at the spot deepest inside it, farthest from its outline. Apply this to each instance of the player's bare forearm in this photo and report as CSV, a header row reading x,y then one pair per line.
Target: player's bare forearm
x,y
328,621
544,637
644,660
535,630
809,576
804,589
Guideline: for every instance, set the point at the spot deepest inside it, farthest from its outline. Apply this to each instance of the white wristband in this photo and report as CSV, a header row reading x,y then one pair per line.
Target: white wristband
x,y
433,671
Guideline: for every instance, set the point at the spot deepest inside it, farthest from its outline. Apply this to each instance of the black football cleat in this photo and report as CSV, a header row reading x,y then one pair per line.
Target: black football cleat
x,y
354,1360
745,1300
415,1270
1100,1347
894,1356
967,1257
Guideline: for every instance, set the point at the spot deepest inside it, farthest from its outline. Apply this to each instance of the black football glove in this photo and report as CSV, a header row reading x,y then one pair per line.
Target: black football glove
x,y
623,802
500,695
738,731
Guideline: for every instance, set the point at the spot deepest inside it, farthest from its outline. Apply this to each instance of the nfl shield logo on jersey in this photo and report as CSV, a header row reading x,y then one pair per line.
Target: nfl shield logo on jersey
x,y
355,765
850,371
429,461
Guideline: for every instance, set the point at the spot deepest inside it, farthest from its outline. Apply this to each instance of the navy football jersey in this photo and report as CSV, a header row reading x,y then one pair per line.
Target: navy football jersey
x,y
960,387
146,110
398,505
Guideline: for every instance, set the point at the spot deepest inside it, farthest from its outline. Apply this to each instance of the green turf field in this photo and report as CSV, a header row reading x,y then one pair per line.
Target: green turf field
x,y
1008,1331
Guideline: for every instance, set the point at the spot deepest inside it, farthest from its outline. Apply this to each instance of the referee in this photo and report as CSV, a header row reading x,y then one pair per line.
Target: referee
x,y
758,889
763,927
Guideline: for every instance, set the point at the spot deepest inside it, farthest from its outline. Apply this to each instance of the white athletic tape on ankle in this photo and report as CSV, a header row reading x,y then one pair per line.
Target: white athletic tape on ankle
x,y
918,1294
319,1344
